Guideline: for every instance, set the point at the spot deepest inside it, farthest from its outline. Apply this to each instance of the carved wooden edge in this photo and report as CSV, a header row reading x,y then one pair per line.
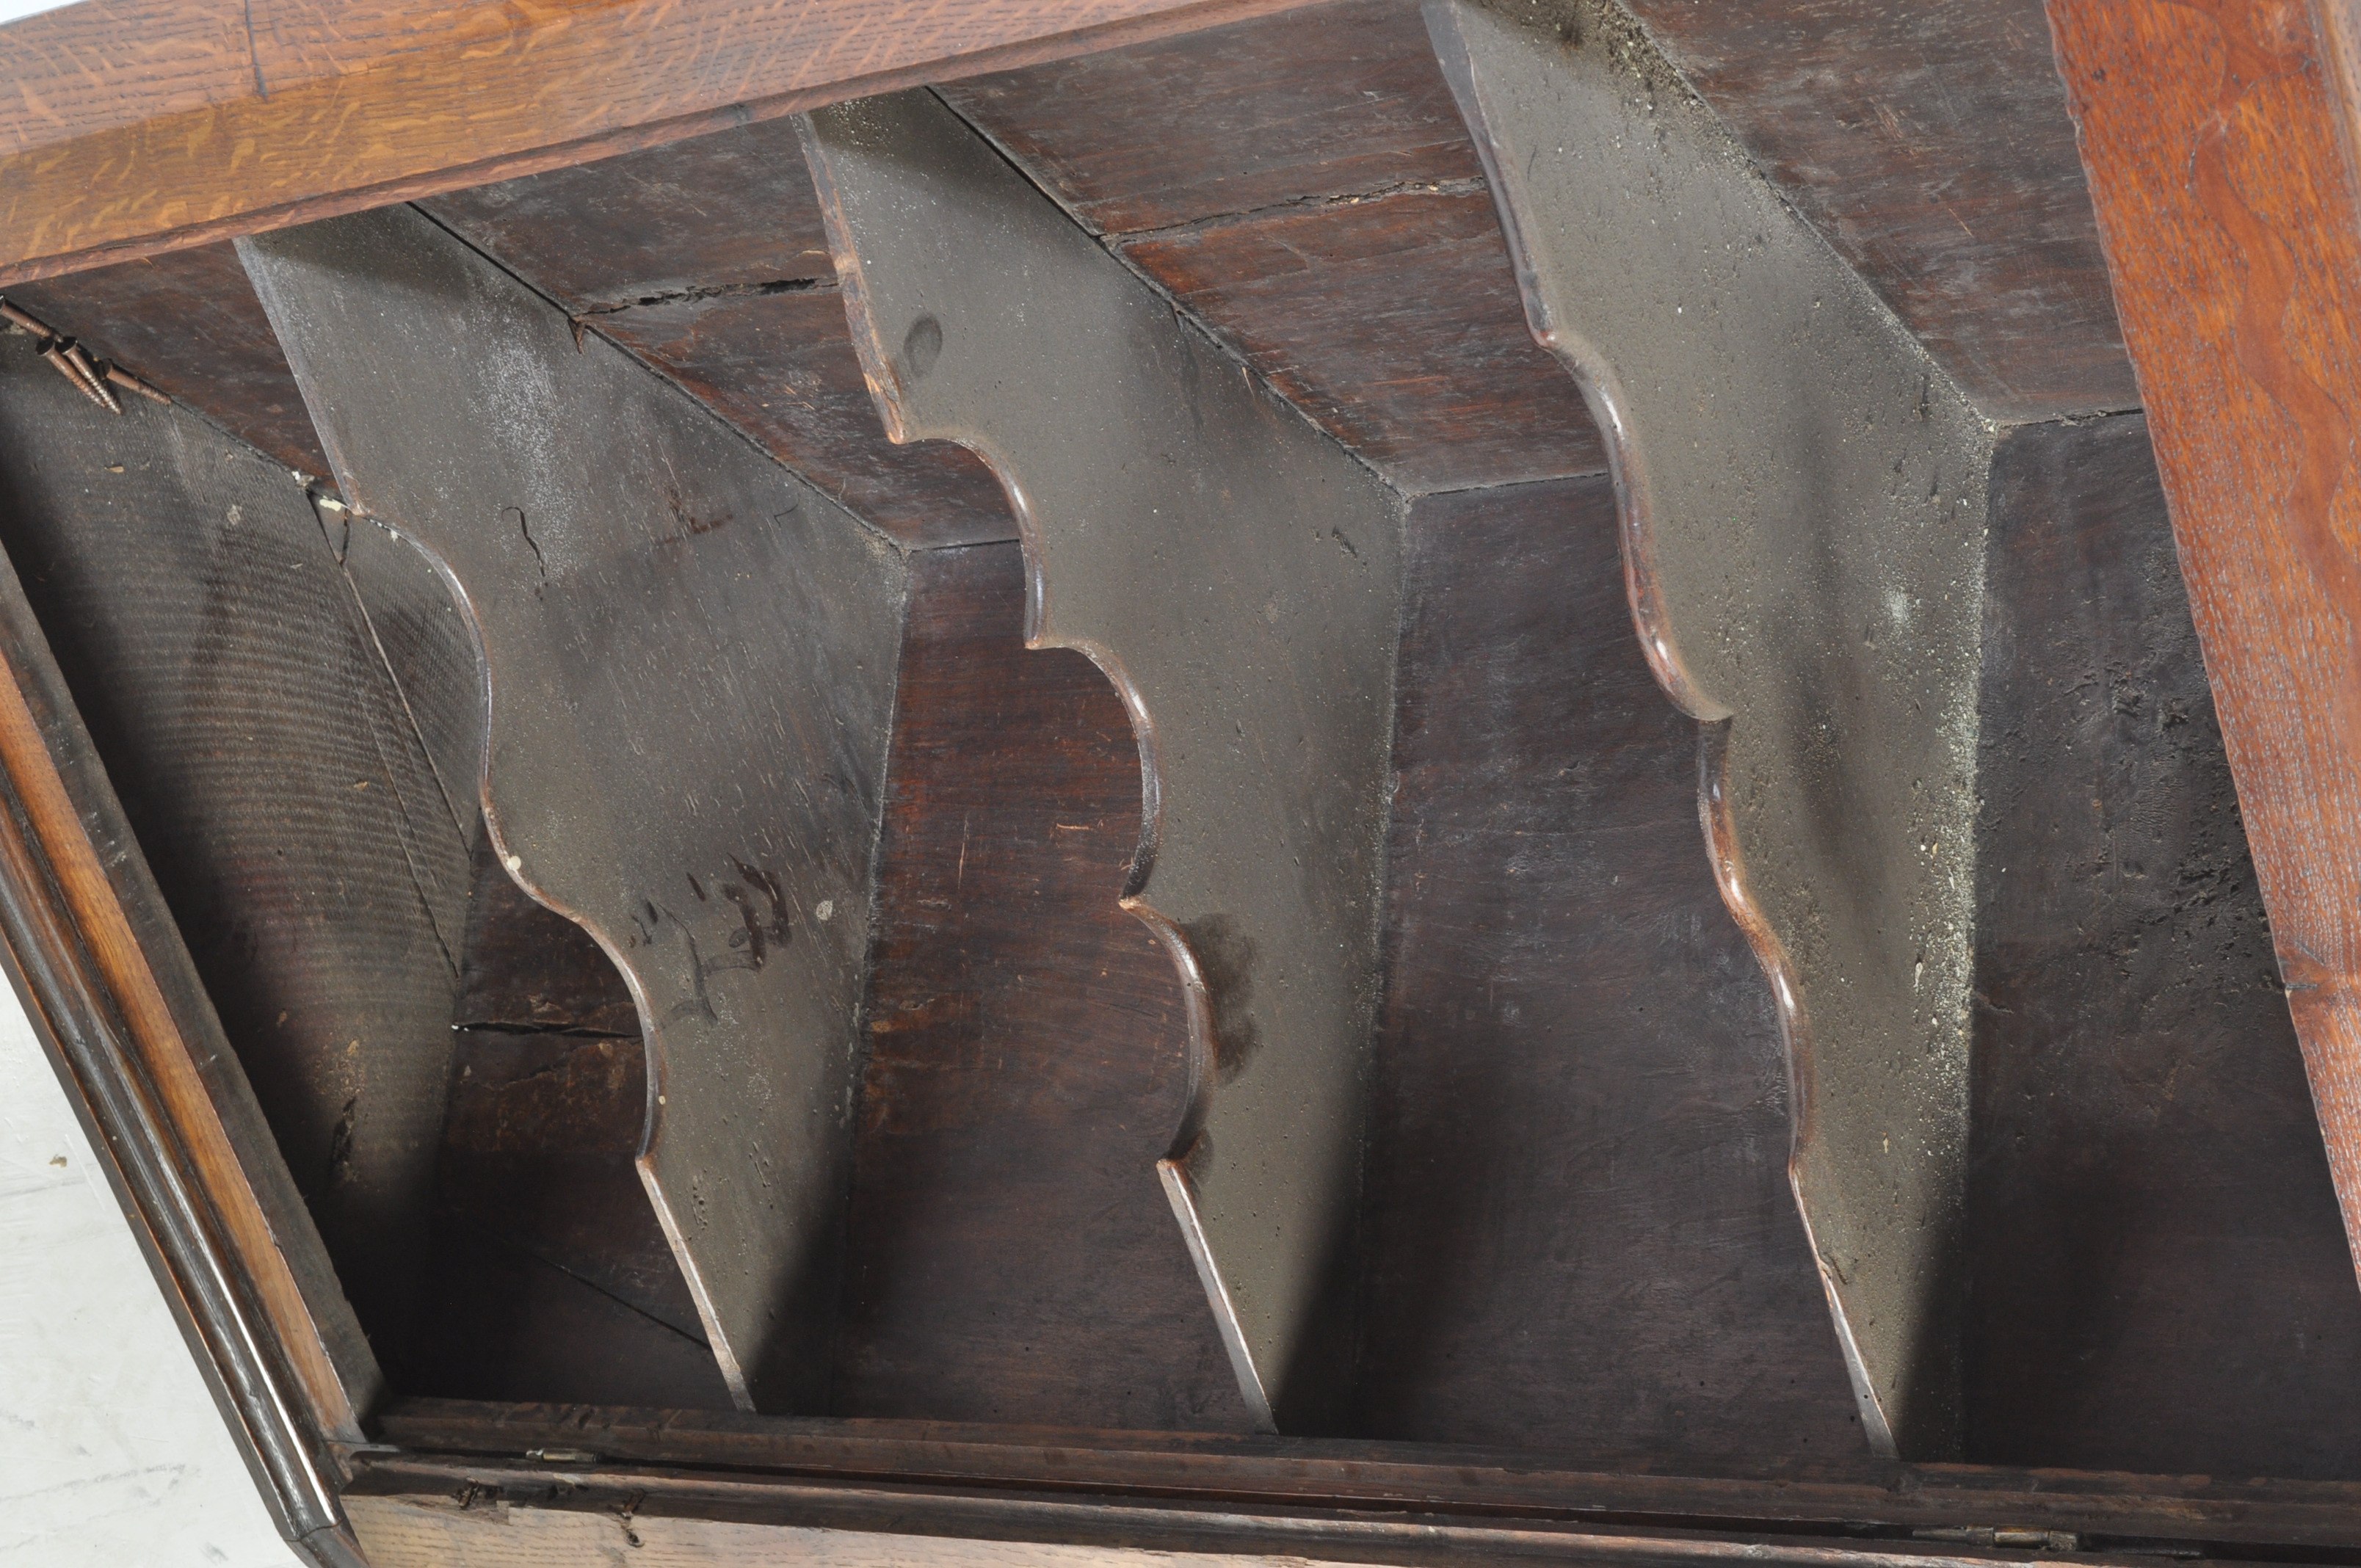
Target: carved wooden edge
x,y
1643,207
2218,139
1237,578
298,120
677,586
435,1446
116,1001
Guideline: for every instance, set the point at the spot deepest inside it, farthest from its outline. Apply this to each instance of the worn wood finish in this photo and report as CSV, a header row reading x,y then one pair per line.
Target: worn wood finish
x,y
2160,1280
113,995
1303,187
551,1277
1821,619
1580,1232
1011,1258
1238,577
485,1514
232,683
489,1514
1333,100
189,325
549,1270
145,125
1392,323
701,218
643,585
527,967
1931,144
708,259
1878,1496
780,368
2218,139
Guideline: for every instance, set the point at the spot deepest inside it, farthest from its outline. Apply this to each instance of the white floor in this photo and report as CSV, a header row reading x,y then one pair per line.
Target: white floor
x,y
112,1453
12,9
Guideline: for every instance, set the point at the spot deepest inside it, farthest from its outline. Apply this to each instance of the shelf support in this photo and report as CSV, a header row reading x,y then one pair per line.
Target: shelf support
x,y
689,659
1238,577
1802,499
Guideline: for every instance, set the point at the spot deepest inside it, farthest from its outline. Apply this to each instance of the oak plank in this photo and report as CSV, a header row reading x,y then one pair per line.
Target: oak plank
x,y
2218,141
142,126
2158,1279
1930,145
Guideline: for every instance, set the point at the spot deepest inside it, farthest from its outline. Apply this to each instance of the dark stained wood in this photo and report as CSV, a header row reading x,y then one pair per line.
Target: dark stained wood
x,y
1877,1499
422,1513
1581,1234
780,368
1302,185
729,211
708,260
143,126
268,762
550,1275
1931,144
2218,139
1011,1257
527,967
1334,100
2160,1281
1394,324
110,994
1238,577
1805,570
188,323
639,580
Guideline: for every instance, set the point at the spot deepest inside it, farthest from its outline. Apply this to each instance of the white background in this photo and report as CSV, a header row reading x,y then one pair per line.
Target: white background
x,y
112,1451
12,9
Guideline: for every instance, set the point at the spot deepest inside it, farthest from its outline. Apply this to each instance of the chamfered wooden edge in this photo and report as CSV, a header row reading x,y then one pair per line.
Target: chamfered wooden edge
x,y
2218,142
423,98
942,1478
115,1002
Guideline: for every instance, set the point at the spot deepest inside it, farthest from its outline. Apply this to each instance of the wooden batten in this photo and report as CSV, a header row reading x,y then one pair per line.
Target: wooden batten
x,y
872,1487
138,129
689,658
1238,577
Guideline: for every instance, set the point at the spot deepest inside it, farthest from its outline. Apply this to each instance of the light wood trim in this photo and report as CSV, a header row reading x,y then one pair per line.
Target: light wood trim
x,y
145,125
2216,135
99,920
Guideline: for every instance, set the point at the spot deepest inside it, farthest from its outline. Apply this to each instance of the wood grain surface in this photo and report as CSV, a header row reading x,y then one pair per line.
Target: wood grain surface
x,y
1931,144
188,322
549,1271
134,126
1011,1258
1303,187
1439,1512
1209,1470
707,259
1238,575
2218,139
222,656
1576,1189
473,1519
688,660
2158,1279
